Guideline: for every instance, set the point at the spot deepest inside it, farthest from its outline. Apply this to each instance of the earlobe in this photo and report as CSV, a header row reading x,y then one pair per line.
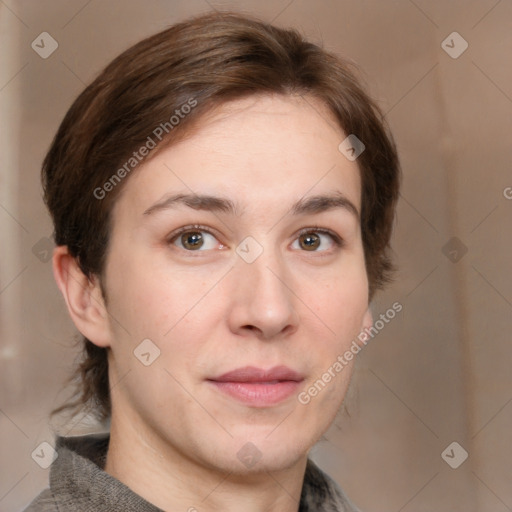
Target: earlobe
x,y
367,319
364,337
83,297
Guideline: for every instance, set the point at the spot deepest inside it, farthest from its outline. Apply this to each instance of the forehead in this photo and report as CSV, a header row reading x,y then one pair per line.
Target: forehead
x,y
262,151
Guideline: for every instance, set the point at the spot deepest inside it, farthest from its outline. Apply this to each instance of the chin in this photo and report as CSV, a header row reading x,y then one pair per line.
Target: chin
x,y
250,455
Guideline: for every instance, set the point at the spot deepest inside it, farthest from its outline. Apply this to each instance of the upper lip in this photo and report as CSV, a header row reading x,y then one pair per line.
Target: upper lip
x,y
253,374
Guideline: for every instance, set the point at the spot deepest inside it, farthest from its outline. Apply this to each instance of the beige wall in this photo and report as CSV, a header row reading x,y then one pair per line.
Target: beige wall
x,y
439,372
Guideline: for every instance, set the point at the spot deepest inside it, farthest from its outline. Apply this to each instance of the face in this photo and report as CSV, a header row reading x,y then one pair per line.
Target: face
x,y
245,284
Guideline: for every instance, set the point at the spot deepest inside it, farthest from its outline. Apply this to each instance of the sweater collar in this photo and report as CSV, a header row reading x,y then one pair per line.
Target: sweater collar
x,y
77,479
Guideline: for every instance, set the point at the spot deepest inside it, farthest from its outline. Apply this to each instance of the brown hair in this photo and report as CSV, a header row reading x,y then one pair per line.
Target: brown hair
x,y
202,62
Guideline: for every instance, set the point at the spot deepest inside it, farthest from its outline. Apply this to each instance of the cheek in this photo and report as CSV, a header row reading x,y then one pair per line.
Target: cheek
x,y
342,301
152,300
341,306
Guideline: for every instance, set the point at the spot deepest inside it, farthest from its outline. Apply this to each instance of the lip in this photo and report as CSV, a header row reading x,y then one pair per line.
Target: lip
x,y
258,387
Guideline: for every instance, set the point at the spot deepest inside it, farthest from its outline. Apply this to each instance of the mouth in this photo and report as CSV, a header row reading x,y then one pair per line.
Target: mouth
x,y
257,387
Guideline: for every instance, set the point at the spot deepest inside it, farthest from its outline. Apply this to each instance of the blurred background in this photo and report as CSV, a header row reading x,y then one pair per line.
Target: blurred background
x,y
427,422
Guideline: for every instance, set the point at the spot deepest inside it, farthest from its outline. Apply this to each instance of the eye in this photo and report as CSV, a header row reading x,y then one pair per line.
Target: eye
x,y
194,239
310,239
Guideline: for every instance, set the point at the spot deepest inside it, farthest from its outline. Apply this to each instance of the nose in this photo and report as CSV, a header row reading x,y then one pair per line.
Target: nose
x,y
262,298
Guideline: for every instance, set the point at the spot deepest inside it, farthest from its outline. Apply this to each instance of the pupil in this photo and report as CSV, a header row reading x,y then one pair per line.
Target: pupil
x,y
310,241
192,240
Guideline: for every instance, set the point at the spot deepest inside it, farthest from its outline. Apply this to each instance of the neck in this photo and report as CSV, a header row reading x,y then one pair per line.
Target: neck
x,y
171,480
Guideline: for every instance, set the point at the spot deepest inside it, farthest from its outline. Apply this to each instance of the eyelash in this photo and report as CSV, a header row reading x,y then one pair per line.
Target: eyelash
x,y
338,241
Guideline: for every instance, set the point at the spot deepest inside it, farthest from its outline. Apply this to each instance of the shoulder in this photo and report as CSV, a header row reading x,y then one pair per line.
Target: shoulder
x,y
77,464
321,492
45,502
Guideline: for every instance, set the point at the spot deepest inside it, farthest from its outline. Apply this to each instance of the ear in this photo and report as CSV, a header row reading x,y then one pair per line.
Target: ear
x,y
367,319
363,337
83,297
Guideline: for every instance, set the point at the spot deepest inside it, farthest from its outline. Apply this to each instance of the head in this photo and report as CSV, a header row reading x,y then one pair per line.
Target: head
x,y
229,128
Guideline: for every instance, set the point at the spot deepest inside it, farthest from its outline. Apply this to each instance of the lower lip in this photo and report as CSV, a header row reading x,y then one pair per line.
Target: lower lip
x,y
258,394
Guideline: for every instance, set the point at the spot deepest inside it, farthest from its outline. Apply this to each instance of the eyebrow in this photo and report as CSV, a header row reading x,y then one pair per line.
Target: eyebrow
x,y
308,205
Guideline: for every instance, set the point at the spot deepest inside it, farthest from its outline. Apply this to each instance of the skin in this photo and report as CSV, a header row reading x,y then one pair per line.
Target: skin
x,y
174,436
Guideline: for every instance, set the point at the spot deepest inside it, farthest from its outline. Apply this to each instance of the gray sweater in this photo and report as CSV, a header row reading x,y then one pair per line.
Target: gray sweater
x,y
79,484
